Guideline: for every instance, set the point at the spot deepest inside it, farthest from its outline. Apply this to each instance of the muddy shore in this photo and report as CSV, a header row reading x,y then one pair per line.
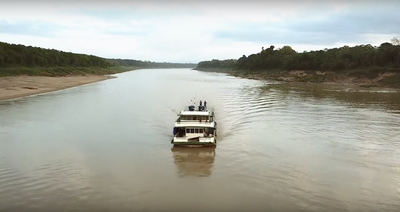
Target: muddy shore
x,y
21,86
383,80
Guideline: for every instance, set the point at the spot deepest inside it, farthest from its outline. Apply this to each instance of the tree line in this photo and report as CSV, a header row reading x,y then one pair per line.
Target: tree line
x,y
17,55
226,64
149,64
335,59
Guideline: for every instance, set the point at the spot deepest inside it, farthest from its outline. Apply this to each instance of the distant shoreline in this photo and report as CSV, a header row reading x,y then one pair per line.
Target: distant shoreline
x,y
21,86
361,78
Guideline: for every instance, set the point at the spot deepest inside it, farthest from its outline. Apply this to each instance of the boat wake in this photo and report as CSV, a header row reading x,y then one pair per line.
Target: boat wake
x,y
243,105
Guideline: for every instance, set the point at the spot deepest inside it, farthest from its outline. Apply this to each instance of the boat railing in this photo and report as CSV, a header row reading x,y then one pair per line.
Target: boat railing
x,y
195,120
205,123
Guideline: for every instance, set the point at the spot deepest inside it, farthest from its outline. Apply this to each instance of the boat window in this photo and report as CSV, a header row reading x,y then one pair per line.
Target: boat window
x,y
200,130
187,118
187,130
191,130
196,130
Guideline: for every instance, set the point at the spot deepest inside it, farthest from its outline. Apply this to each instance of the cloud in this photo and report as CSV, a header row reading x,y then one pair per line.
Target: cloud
x,y
41,28
324,27
190,31
362,20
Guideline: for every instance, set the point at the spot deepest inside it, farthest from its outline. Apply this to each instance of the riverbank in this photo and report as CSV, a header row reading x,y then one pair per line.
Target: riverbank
x,y
385,78
21,86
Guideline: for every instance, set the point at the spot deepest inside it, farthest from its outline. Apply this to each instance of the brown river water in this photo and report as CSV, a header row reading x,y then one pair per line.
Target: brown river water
x,y
281,147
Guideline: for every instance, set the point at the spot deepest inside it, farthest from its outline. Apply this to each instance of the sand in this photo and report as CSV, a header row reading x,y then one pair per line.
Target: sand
x,y
21,86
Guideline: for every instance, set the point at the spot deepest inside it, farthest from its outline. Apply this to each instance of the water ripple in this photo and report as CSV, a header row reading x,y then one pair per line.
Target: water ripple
x,y
291,146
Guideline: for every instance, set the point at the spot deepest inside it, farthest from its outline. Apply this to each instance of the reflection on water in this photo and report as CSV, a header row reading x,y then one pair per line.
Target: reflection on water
x,y
195,162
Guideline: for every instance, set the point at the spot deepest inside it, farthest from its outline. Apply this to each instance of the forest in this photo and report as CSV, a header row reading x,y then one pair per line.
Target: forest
x,y
336,59
17,59
149,64
12,55
215,63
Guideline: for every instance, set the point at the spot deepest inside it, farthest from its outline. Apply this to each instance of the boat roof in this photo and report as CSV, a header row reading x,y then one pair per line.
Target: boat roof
x,y
206,112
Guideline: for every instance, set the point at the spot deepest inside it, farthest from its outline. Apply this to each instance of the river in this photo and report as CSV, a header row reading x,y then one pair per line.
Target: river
x,y
106,147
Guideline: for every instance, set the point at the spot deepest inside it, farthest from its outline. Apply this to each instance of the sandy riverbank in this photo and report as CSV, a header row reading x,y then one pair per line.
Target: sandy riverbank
x,y
20,86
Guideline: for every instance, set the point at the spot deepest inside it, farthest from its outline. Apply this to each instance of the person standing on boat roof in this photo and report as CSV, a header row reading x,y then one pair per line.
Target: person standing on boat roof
x,y
205,103
200,103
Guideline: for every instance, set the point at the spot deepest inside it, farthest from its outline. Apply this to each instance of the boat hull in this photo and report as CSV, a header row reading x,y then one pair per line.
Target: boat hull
x,y
194,144
198,142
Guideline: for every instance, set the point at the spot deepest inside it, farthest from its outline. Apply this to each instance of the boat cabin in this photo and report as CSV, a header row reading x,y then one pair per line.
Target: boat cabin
x,y
193,132
197,118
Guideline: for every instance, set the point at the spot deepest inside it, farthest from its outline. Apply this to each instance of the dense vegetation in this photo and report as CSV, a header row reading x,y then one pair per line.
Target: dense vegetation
x,y
16,59
149,64
362,56
13,55
224,64
361,62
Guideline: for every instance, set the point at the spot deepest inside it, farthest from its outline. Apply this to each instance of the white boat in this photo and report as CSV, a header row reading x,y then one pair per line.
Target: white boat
x,y
195,126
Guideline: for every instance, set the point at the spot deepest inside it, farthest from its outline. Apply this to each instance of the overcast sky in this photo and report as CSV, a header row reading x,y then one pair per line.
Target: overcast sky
x,y
192,31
